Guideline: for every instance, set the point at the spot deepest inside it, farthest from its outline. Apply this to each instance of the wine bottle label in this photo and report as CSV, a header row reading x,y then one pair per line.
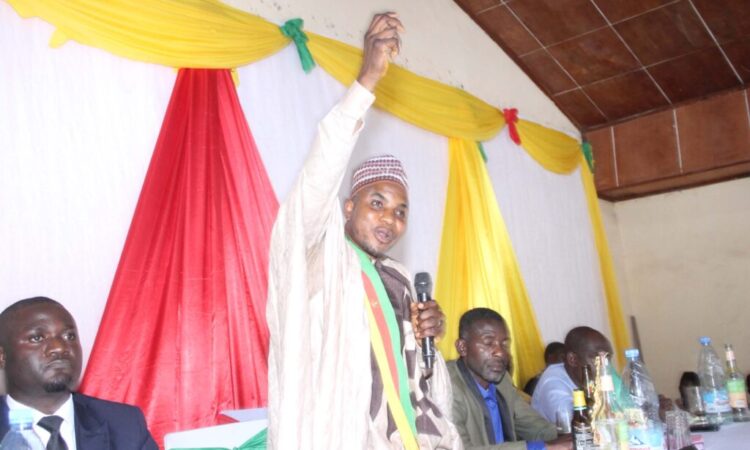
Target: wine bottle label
x,y
716,401
646,438
583,437
737,396
606,384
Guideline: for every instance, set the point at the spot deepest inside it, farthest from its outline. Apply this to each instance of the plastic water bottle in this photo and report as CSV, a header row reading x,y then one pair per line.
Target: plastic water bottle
x,y
21,435
713,384
645,430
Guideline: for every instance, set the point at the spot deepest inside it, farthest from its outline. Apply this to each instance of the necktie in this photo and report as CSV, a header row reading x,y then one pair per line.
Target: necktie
x,y
52,424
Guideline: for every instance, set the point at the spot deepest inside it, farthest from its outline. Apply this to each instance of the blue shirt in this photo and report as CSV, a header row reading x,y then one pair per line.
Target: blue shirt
x,y
489,396
490,400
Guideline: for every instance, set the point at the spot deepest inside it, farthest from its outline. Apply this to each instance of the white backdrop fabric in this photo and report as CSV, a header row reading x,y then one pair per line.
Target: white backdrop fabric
x,y
78,127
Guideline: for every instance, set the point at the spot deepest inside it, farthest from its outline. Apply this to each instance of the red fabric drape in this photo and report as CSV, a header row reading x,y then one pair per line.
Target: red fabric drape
x,y
184,334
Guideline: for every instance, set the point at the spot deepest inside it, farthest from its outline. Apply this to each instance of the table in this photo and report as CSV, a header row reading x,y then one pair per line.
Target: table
x,y
231,435
733,436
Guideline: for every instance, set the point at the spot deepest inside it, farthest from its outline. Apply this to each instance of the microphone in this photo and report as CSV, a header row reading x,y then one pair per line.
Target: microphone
x,y
423,286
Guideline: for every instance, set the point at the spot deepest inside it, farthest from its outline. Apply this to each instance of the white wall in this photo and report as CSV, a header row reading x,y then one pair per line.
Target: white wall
x,y
441,42
79,125
684,258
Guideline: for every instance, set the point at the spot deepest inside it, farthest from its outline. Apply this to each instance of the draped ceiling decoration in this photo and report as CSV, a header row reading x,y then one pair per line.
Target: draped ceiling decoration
x,y
208,34
478,266
183,334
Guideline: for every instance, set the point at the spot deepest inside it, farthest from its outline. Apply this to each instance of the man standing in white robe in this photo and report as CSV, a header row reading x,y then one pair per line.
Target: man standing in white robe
x,y
325,390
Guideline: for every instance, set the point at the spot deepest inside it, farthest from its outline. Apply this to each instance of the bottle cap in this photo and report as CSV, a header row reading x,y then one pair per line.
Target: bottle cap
x,y
705,340
579,399
632,353
17,416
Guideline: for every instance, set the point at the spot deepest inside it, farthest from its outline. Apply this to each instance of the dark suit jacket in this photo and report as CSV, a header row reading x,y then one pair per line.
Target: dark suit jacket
x,y
101,425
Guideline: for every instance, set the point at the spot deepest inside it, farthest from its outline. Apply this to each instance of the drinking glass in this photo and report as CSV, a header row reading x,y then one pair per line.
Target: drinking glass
x,y
678,430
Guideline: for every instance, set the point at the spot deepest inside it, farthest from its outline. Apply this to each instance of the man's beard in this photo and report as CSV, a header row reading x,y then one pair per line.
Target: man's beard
x,y
60,384
363,244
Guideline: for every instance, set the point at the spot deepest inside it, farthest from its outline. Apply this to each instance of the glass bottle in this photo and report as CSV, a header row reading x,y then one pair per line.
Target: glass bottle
x,y
607,420
588,385
20,435
583,438
736,387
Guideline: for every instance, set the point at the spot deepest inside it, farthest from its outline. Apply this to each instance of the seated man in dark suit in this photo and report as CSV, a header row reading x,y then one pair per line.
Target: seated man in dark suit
x,y
41,355
487,410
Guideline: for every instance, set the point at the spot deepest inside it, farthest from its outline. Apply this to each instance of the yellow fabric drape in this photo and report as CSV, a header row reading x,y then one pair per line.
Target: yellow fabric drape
x,y
425,103
174,33
553,150
209,34
478,266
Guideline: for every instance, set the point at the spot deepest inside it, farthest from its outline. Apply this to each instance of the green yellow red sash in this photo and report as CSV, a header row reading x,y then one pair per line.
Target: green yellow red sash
x,y
386,345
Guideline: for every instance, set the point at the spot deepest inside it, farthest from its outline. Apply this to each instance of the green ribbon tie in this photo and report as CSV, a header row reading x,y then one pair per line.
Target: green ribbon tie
x,y
588,153
257,442
481,151
293,30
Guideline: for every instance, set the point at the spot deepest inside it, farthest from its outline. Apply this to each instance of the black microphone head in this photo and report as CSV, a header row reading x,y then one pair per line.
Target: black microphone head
x,y
423,283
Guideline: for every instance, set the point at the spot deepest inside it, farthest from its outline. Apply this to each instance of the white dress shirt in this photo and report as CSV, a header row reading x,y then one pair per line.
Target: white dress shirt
x,y
67,427
554,392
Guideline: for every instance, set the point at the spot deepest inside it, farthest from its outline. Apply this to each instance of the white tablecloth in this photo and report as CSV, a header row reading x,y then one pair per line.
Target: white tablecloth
x,y
733,436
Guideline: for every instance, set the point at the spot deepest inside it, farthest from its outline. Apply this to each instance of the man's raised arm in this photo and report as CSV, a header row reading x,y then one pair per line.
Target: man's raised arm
x,y
325,167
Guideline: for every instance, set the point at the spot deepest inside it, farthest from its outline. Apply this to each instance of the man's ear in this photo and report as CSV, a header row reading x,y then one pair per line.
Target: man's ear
x,y
571,359
348,208
461,347
2,358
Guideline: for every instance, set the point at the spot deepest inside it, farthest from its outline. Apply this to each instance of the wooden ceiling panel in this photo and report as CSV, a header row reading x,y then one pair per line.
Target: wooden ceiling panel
x,y
679,182
476,6
548,73
709,140
594,56
729,20
604,160
558,20
626,95
695,75
628,66
665,33
505,29
646,149
617,10
587,42
738,53
579,108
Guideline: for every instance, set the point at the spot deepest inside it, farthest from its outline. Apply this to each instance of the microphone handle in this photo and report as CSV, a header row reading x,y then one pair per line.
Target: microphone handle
x,y
428,343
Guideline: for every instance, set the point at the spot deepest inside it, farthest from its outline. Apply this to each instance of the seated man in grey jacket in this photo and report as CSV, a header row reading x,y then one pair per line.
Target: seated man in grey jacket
x,y
487,410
